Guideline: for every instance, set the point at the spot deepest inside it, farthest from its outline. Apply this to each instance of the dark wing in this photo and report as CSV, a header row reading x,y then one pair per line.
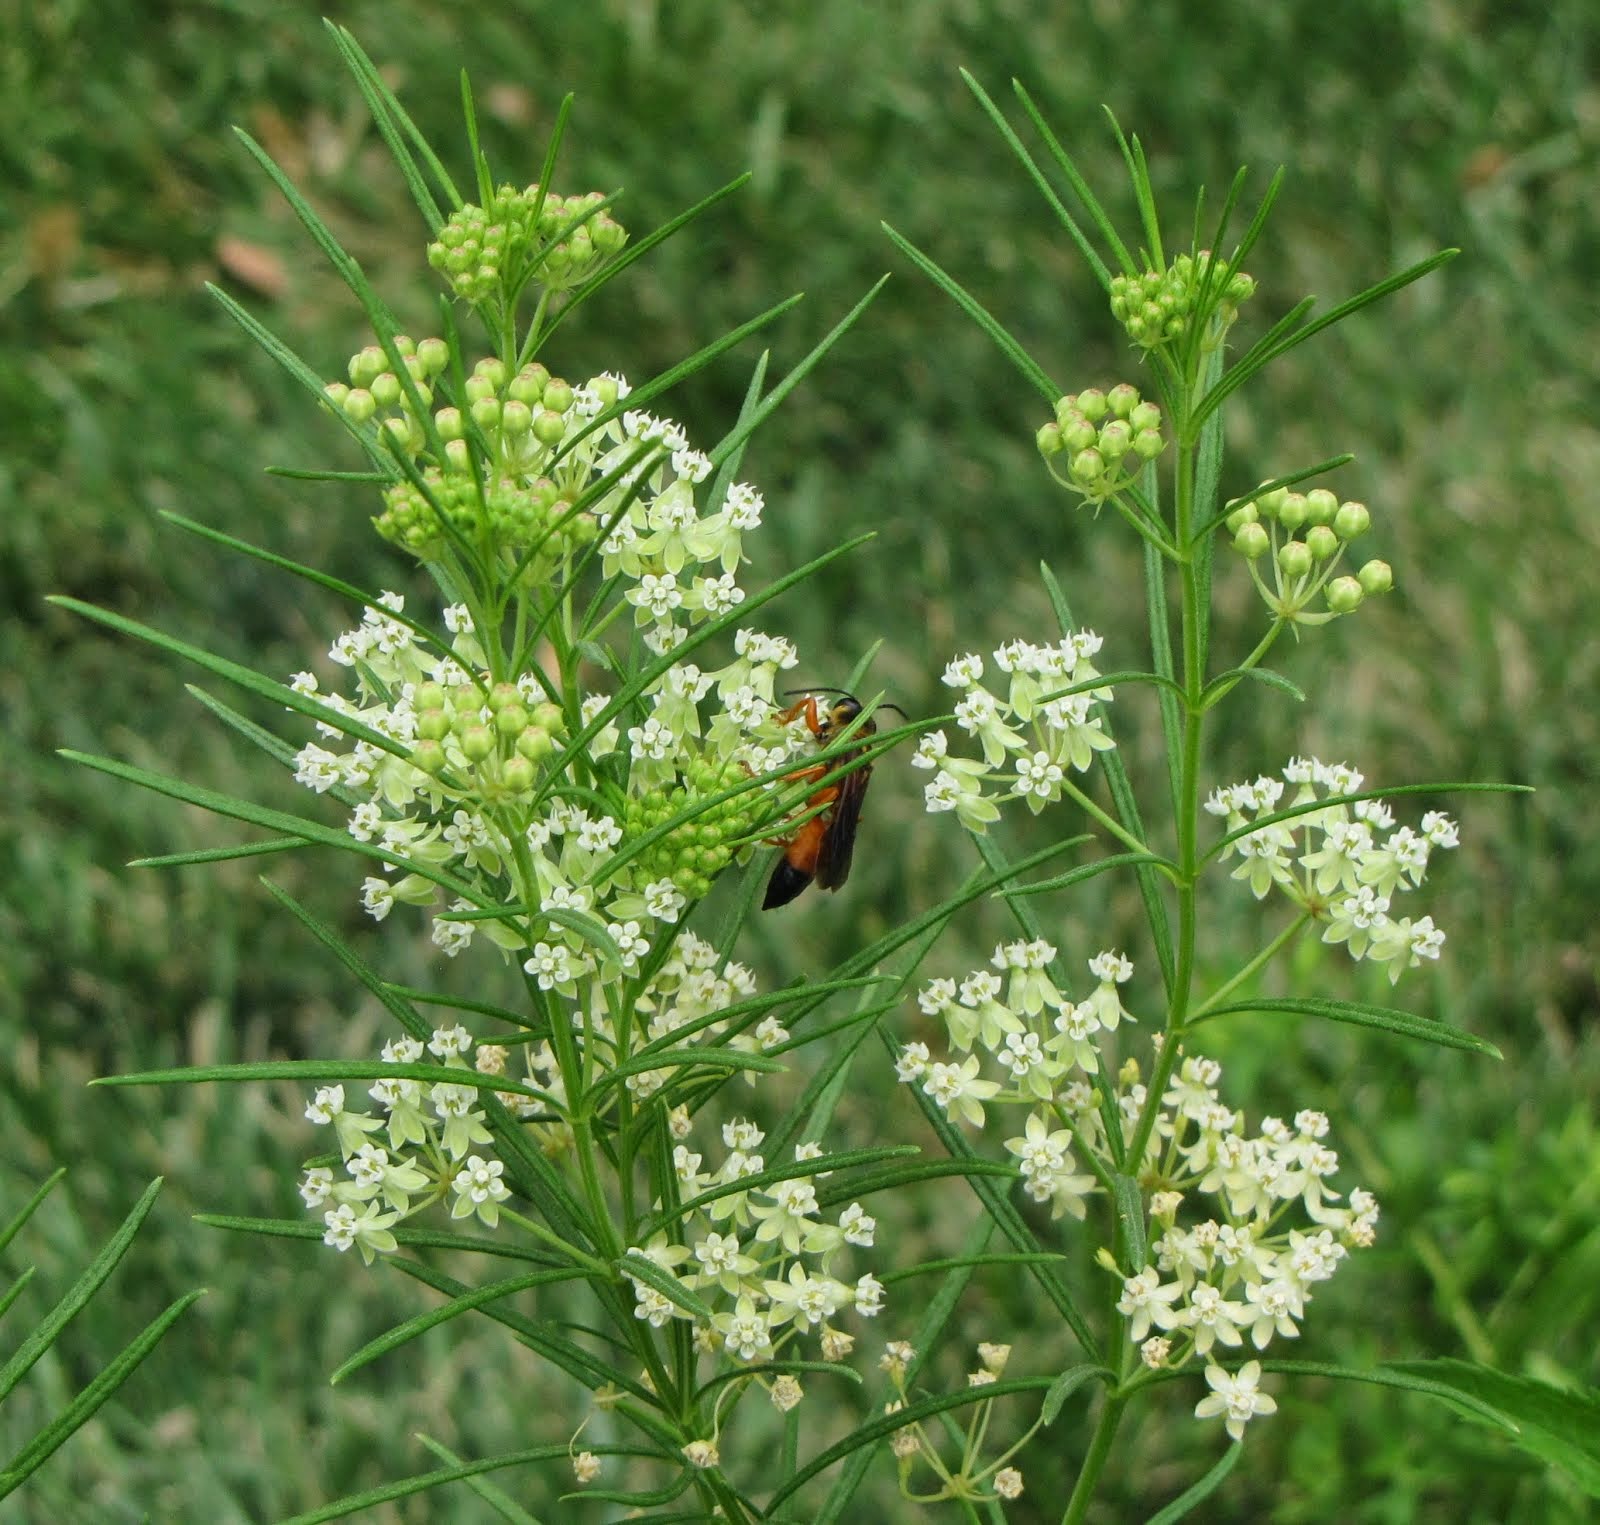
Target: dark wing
x,y
839,841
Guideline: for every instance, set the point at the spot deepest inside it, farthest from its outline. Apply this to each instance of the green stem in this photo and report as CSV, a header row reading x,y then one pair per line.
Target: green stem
x,y
1263,646
1249,970
1105,1431
1110,822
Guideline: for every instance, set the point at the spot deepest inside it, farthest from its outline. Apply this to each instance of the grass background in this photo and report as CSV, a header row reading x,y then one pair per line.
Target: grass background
x,y
1470,402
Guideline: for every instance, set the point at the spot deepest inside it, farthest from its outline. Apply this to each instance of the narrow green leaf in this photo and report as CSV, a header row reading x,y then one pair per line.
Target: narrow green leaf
x,y
258,815
1086,872
1398,1376
480,1297
973,1262
491,1493
974,309
642,1268
307,1071
746,426
911,1175
1559,1425
1223,683
48,1330
400,1009
1359,1014
31,1206
1199,1492
1066,1385
1128,1202
1014,143
83,1407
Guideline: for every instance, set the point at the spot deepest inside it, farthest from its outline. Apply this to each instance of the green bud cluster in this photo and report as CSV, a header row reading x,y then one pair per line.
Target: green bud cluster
x,y
1098,441
502,738
1302,538
518,419
522,236
1159,306
694,852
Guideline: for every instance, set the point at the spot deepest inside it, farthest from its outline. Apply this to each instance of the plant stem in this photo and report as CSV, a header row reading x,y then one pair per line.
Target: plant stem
x,y
1105,1431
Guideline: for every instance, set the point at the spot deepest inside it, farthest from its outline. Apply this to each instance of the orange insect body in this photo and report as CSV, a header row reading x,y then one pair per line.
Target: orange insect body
x,y
820,848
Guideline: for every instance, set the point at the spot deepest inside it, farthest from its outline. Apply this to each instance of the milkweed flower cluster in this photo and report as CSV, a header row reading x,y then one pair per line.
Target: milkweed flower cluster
x,y
427,1141
765,1260
1302,537
1159,307
1343,865
1030,736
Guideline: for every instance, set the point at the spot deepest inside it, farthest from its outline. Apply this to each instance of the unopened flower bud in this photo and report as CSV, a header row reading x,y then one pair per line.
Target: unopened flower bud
x,y
433,725
1240,517
548,717
336,392
1087,466
486,412
429,756
400,433
367,364
548,428
1322,541
1292,511
1078,432
1351,520
1376,577
386,390
1295,558
1115,440
1344,594
1252,542
534,743
449,424
1092,404
477,741
1321,506
1148,444
511,721
1122,399
1049,440
516,419
558,396
359,405
518,774
1146,416
433,355
1271,503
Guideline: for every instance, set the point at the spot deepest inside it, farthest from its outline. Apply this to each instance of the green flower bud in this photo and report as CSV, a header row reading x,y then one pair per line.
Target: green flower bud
x,y
1148,444
386,389
609,235
1292,511
1146,416
486,413
1087,467
549,428
477,741
367,364
1092,404
359,405
433,355
1321,506
1322,541
1344,594
1376,577
1078,432
558,396
1295,558
1351,520
504,694
457,456
1122,399
433,725
429,756
466,699
401,434
336,392
548,717
479,387
1252,542
511,721
1271,503
528,385
492,370
534,744
1049,440
1115,440
518,774
1240,517
430,696
449,423
605,388
516,419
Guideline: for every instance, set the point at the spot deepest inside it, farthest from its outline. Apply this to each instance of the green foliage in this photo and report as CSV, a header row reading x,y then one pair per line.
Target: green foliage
x,y
127,399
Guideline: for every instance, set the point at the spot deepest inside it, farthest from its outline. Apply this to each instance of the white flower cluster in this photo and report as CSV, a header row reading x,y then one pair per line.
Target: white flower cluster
x,y
1246,1270
1029,738
763,1258
1343,864
431,1142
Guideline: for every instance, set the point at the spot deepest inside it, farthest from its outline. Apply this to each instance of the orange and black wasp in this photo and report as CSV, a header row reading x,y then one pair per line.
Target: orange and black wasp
x,y
820,848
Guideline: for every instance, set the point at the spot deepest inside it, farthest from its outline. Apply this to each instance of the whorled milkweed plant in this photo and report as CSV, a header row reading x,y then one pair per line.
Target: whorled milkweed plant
x,y
558,757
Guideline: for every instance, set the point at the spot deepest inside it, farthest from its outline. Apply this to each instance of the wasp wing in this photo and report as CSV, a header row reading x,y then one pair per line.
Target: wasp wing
x,y
839,840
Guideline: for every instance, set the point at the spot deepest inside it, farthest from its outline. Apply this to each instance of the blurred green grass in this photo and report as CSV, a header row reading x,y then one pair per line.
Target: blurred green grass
x,y
1470,402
